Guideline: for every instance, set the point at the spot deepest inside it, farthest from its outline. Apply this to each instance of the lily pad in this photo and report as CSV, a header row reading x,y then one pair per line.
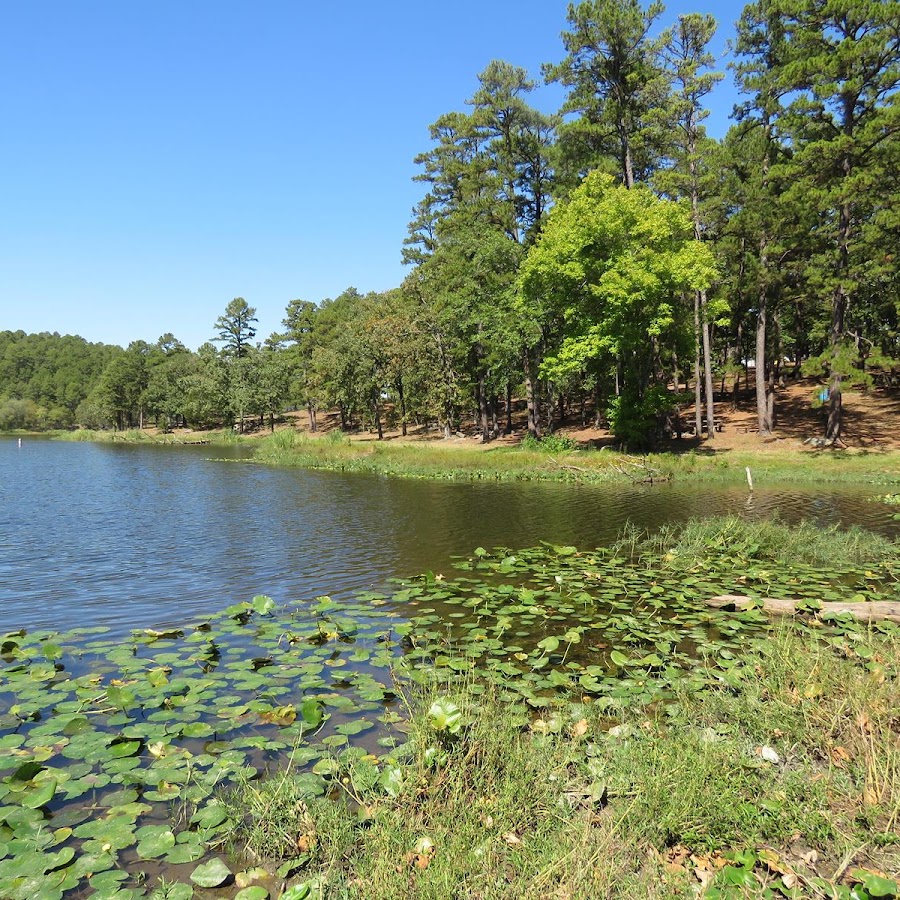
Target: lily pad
x,y
211,874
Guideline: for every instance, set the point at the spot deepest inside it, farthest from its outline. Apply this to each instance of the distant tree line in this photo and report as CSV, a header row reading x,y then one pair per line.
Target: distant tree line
x,y
597,263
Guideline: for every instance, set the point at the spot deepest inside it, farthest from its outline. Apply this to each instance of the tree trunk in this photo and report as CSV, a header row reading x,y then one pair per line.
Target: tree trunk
x,y
549,395
401,396
707,368
764,421
698,385
376,413
835,423
531,397
627,162
484,412
509,422
311,412
868,611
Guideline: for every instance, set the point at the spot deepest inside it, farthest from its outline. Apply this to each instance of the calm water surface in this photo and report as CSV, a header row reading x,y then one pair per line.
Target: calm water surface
x,y
130,536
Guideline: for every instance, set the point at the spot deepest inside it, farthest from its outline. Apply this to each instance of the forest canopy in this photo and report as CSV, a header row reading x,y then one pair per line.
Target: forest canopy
x,y
609,258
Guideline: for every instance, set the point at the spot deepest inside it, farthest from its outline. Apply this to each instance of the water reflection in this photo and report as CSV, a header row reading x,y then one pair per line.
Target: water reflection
x,y
132,536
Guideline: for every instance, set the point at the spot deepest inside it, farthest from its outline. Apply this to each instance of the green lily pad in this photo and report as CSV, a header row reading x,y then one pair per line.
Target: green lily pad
x,y
211,874
254,892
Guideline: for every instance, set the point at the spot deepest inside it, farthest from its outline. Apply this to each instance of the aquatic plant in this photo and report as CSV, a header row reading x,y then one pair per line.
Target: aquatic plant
x,y
118,759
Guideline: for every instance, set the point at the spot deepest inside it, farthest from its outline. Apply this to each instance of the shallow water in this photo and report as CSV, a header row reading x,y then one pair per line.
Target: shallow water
x,y
133,536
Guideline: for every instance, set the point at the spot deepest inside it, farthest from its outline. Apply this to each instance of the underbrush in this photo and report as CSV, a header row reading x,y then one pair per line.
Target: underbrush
x,y
786,786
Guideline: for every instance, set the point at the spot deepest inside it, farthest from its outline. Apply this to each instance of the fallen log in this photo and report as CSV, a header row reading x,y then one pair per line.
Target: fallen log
x,y
865,610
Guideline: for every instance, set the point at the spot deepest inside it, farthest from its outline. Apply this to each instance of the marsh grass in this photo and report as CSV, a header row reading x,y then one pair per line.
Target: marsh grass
x,y
556,459
584,803
789,465
439,461
735,539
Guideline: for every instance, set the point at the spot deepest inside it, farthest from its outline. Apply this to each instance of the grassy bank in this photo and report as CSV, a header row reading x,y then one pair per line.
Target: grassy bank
x,y
503,463
139,436
739,542
785,786
547,461
812,466
440,461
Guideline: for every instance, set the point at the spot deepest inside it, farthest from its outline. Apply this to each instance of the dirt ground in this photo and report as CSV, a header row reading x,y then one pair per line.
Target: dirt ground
x,y
872,422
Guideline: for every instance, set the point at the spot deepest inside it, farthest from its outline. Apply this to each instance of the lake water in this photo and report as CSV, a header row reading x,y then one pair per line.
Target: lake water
x,y
134,536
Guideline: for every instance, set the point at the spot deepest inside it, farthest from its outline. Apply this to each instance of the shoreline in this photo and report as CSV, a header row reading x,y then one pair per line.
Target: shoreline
x,y
507,462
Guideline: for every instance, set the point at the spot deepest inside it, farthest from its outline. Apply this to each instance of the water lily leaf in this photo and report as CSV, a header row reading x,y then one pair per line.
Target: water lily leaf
x,y
211,874
391,781
40,796
185,853
210,816
297,892
281,715
121,750
27,771
254,892
154,841
355,727
106,883
549,644
262,604
177,891
618,658
312,712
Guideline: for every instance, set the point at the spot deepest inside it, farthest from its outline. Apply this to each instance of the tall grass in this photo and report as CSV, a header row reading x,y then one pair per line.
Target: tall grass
x,y
687,545
767,467
434,460
581,805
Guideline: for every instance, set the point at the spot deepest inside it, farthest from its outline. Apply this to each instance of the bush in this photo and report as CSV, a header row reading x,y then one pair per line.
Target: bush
x,y
551,443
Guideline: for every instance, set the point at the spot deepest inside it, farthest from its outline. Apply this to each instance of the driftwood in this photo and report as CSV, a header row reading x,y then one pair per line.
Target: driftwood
x,y
865,610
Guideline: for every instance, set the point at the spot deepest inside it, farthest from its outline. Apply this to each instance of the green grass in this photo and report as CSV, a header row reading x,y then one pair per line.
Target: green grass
x,y
732,538
540,461
591,802
137,436
438,461
820,467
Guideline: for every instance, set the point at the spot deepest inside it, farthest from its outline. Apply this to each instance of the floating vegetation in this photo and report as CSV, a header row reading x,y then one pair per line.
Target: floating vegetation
x,y
117,757
889,500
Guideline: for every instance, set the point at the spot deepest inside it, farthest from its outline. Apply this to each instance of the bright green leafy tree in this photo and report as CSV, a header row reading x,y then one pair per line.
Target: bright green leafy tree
x,y
613,263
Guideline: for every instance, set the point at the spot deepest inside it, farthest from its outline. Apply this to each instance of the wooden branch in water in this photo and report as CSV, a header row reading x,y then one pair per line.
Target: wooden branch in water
x,y
865,610
567,467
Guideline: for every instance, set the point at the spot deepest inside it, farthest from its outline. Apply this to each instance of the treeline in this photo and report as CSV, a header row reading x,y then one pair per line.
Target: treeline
x,y
601,260
44,378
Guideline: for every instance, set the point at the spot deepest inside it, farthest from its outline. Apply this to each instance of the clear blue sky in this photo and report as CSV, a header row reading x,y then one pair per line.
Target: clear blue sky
x,y
158,159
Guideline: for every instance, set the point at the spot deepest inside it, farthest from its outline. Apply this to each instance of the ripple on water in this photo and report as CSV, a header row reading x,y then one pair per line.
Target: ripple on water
x,y
129,536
